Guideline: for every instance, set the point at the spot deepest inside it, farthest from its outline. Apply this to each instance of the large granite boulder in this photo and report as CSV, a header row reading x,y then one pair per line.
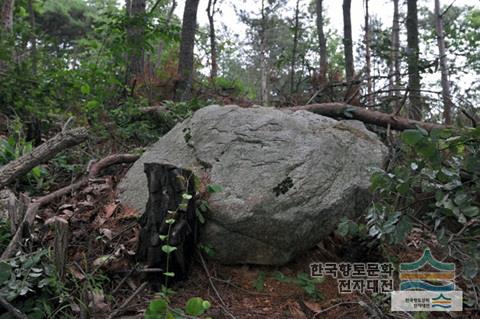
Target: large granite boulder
x,y
287,177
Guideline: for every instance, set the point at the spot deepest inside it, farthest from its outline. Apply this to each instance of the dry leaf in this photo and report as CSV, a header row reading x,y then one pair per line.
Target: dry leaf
x,y
313,306
110,209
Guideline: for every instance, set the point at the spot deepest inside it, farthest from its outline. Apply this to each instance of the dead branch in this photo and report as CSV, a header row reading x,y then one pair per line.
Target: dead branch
x,y
127,302
11,309
346,111
222,303
156,109
32,209
469,116
41,154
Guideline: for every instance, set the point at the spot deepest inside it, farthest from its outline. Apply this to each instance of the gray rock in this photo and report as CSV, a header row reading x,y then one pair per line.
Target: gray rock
x,y
287,177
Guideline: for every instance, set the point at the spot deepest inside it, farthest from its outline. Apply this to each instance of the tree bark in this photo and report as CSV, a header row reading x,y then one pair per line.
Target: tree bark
x,y
347,41
446,95
211,10
41,154
296,31
183,87
368,62
350,112
167,186
7,15
264,94
136,34
415,106
394,76
321,40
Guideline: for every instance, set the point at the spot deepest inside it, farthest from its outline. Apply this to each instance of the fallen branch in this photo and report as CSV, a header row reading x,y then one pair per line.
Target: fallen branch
x,y
154,109
11,309
346,111
32,209
41,154
127,302
223,305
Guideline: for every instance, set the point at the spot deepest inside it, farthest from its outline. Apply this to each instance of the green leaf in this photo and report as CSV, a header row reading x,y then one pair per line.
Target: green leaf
x,y
195,307
200,216
206,304
5,272
343,227
412,137
471,211
168,249
259,283
402,229
214,188
163,237
169,274
158,306
170,221
85,89
186,196
470,269
91,105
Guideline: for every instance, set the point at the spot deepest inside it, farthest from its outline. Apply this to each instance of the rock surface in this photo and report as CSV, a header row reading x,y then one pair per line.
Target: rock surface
x,y
287,177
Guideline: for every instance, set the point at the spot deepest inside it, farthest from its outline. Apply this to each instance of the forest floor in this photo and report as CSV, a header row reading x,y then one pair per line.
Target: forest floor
x,y
101,253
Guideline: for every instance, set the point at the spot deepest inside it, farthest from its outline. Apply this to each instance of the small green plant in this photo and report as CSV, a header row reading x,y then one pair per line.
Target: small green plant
x,y
302,280
160,309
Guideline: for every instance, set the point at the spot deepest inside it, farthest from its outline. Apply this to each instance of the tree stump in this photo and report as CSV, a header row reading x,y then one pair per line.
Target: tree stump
x,y
169,220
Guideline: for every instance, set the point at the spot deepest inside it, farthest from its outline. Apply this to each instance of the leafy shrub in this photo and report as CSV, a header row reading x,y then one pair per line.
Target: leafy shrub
x,y
436,186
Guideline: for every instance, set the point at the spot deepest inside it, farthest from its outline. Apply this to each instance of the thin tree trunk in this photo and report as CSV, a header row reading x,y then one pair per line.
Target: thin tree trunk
x,y
263,56
415,106
33,38
161,45
321,40
213,44
347,40
447,98
136,33
371,97
7,15
295,45
394,76
183,87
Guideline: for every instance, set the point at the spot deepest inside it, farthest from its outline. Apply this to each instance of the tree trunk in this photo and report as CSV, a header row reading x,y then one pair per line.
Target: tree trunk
x,y
161,45
368,62
447,98
347,40
33,38
169,219
296,30
321,40
7,15
136,34
263,58
183,87
213,44
394,76
415,106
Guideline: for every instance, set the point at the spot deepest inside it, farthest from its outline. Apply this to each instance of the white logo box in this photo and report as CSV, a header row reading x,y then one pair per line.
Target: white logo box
x,y
406,300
